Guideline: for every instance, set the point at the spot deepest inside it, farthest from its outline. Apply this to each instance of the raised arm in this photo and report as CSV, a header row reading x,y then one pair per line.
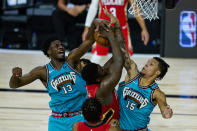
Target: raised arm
x,y
75,55
141,22
18,80
114,71
90,17
129,64
160,98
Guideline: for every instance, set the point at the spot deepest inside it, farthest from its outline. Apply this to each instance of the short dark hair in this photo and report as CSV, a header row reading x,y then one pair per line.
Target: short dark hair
x,y
92,109
90,73
46,44
86,61
163,67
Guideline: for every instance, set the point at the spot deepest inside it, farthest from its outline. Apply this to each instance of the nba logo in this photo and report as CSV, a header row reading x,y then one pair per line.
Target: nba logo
x,y
187,36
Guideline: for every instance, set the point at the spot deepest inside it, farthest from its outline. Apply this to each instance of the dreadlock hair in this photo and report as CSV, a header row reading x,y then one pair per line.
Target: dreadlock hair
x,y
92,109
163,67
46,44
90,73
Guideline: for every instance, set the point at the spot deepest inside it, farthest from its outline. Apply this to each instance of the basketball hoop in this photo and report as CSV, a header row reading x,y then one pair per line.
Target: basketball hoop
x,y
146,8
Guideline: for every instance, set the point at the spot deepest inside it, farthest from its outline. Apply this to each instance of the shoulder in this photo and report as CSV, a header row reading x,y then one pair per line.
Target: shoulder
x,y
158,93
39,71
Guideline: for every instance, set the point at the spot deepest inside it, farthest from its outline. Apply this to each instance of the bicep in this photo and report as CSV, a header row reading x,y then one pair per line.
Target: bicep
x,y
31,76
110,81
160,98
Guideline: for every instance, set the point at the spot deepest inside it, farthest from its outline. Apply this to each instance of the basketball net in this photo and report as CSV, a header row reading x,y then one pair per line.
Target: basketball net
x,y
146,8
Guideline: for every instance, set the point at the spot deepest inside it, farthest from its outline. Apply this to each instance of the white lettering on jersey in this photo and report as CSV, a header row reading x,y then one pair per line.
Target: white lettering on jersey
x,y
129,93
64,79
112,2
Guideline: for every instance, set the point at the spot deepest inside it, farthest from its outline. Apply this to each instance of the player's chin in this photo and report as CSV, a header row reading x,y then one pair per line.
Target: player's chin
x,y
61,58
142,72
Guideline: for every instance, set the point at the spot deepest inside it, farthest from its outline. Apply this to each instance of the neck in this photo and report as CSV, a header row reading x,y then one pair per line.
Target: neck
x,y
145,81
57,64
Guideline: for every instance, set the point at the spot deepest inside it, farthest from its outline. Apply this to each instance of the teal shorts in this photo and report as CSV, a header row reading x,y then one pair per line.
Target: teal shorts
x,y
63,123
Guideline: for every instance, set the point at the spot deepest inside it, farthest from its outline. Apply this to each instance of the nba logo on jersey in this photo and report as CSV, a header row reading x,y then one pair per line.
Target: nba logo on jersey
x,y
187,36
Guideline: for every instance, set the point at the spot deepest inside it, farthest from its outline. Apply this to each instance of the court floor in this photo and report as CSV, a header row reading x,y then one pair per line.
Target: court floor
x,y
26,108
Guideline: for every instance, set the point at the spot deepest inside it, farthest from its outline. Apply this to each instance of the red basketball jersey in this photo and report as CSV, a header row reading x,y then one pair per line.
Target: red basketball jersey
x,y
108,112
81,126
115,7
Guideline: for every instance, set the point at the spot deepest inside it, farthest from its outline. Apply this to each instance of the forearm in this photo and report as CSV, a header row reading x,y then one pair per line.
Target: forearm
x,y
75,55
14,82
141,22
121,41
62,6
116,52
91,12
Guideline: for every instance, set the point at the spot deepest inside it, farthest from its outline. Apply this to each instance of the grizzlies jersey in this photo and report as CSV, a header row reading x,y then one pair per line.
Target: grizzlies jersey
x,y
66,89
135,104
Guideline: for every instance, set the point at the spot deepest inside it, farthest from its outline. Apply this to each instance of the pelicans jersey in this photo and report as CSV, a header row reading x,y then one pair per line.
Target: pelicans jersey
x,y
108,112
118,8
135,104
82,126
67,91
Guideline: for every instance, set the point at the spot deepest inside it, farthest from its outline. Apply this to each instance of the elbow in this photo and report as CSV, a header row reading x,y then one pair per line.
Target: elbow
x,y
120,61
13,86
120,58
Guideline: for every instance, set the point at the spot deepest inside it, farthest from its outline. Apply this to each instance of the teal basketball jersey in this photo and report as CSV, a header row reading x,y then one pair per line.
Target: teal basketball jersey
x,y
66,88
135,104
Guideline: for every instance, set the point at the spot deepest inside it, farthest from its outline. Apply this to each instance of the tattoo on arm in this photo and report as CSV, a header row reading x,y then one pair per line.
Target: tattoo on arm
x,y
121,41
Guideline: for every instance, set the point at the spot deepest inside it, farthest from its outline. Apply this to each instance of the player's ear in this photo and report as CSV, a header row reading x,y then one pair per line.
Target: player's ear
x,y
158,73
48,51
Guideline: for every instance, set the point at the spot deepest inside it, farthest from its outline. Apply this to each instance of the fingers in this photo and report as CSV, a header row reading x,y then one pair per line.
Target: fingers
x,y
106,12
97,28
17,72
145,37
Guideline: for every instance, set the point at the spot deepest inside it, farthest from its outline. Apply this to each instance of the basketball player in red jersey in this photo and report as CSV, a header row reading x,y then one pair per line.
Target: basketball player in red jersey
x,y
101,81
118,8
91,110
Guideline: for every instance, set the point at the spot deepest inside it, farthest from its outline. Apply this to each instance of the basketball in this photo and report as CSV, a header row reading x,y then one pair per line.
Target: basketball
x,y
101,40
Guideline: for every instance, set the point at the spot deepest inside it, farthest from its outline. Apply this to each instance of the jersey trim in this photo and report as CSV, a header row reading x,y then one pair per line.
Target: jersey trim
x,y
151,96
125,83
72,68
47,76
145,87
